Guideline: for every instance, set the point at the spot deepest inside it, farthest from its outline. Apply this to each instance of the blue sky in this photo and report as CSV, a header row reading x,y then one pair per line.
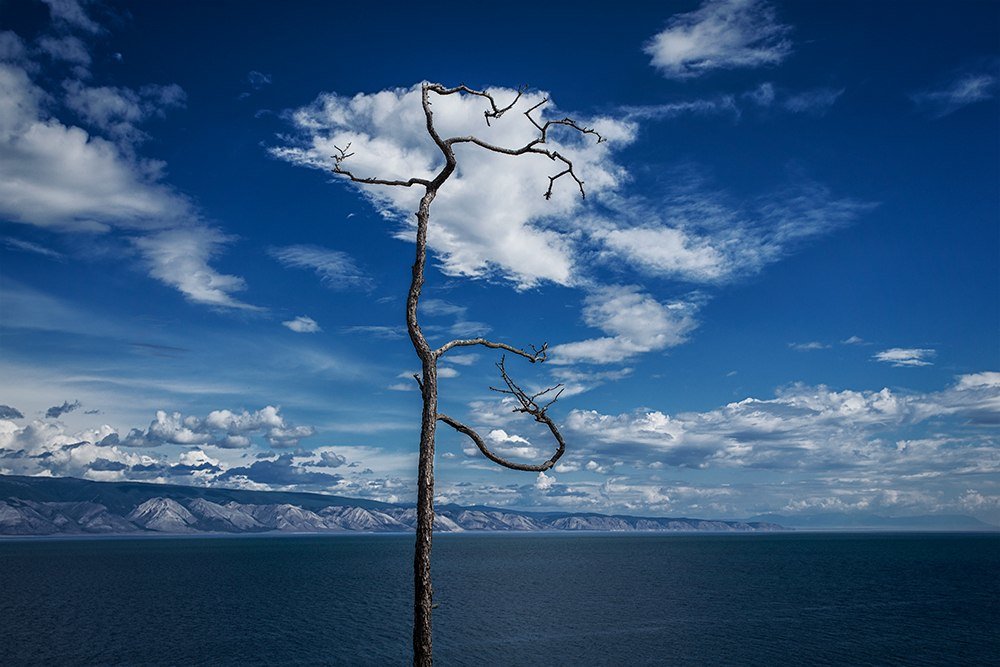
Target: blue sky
x,y
780,294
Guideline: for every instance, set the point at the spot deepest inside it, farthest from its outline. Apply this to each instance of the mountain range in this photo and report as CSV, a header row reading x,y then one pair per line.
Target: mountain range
x,y
69,506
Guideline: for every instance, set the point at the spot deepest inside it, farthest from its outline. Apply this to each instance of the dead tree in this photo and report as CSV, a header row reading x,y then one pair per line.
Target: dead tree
x,y
428,377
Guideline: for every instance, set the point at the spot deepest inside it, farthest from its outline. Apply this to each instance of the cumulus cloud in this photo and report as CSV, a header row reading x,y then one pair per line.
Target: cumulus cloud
x,y
814,428
721,34
44,448
544,482
491,217
966,89
220,428
337,270
906,356
302,324
635,323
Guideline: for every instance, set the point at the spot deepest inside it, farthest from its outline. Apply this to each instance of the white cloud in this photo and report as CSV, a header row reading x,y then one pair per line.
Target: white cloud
x,y
635,322
899,356
816,102
258,80
811,345
221,428
302,324
722,105
544,482
72,14
986,380
721,34
68,48
812,428
704,236
61,177
336,269
28,246
963,91
179,258
11,46
119,111
668,250
491,216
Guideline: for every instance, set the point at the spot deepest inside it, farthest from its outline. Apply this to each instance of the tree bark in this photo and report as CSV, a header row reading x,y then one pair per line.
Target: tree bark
x,y
423,593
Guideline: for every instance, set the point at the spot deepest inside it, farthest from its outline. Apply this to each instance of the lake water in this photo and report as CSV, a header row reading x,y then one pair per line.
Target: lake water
x,y
523,599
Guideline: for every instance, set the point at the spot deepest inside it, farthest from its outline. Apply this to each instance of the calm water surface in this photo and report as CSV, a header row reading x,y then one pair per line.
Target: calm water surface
x,y
505,600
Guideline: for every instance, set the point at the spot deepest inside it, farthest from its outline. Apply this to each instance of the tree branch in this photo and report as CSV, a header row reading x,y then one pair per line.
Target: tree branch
x,y
496,111
536,355
528,405
342,155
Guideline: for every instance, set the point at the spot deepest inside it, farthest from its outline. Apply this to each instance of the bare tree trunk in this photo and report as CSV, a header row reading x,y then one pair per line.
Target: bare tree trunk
x,y
423,593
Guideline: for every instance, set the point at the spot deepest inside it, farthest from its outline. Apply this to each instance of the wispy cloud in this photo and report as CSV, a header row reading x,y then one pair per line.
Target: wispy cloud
x,y
180,258
337,270
258,80
635,323
722,105
721,34
118,112
811,345
28,246
70,13
911,356
704,236
965,90
302,324
815,102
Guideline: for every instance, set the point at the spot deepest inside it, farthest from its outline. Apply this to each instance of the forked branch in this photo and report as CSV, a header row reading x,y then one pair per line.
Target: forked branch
x,y
528,404
537,146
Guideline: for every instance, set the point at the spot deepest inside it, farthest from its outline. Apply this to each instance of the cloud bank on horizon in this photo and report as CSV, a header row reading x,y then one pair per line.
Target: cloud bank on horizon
x,y
162,260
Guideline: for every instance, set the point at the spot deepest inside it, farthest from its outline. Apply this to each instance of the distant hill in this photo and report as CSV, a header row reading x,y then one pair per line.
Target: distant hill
x,y
68,506
866,521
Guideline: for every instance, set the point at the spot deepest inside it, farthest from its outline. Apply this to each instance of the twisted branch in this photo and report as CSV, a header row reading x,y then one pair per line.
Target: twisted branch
x,y
527,404
494,112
